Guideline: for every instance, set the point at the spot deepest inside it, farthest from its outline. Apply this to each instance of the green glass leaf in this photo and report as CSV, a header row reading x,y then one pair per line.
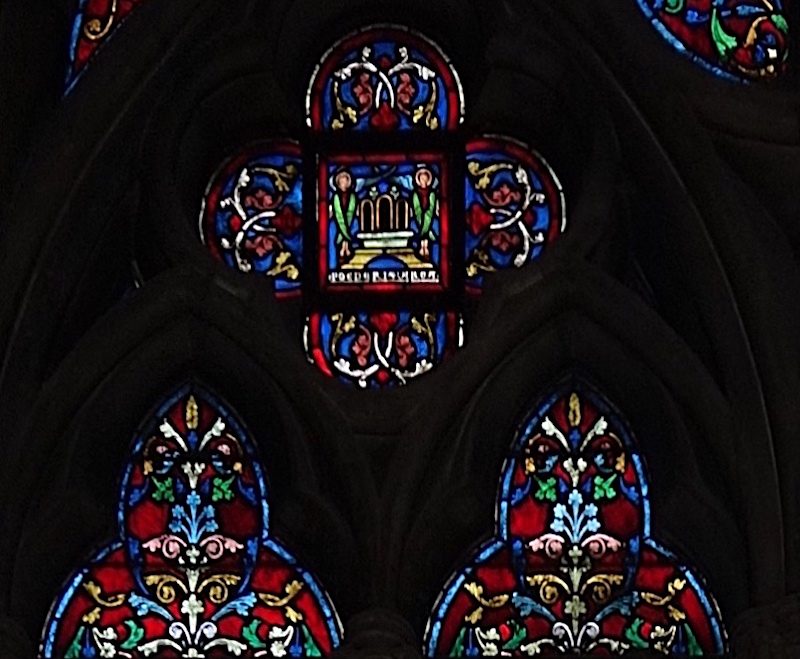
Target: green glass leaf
x,y
632,634
163,490
604,487
723,41
458,647
692,646
74,649
135,634
221,489
780,23
517,636
250,634
309,645
674,6
546,489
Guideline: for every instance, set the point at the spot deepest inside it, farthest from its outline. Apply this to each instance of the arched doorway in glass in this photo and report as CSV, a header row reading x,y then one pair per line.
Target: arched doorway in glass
x,y
403,215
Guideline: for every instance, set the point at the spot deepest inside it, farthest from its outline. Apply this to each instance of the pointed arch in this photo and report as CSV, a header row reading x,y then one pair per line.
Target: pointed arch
x,y
195,567
573,565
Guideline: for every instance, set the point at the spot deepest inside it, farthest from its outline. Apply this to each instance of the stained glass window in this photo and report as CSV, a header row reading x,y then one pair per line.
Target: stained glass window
x,y
95,21
514,207
385,78
195,571
573,566
376,349
252,213
735,39
401,225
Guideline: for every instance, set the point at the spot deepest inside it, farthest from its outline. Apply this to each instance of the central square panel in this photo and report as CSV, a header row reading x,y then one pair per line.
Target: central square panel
x,y
383,222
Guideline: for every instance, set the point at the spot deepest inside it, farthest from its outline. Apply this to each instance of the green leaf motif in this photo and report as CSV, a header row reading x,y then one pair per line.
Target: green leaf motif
x,y
74,649
604,487
518,635
135,634
674,6
723,41
310,647
632,634
222,489
692,646
250,634
546,489
163,490
458,646
780,23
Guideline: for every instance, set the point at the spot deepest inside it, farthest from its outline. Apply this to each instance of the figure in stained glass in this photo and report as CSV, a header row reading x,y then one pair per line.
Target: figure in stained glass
x,y
252,214
383,214
384,225
384,79
195,571
425,202
514,207
344,211
573,567
737,39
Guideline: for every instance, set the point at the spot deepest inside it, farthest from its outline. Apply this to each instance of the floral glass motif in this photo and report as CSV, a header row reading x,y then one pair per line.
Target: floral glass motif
x,y
95,21
514,207
385,78
386,214
252,213
573,568
195,571
735,39
383,222
380,349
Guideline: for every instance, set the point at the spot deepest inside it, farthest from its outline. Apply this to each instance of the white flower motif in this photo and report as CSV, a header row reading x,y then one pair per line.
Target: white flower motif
x,y
192,606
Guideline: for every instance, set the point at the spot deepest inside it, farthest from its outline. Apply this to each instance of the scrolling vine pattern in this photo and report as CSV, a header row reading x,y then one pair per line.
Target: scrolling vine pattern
x,y
195,572
573,568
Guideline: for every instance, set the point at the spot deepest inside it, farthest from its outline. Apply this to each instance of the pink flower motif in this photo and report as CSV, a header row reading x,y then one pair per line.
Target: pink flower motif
x,y
598,544
169,545
552,544
216,545
362,346
404,347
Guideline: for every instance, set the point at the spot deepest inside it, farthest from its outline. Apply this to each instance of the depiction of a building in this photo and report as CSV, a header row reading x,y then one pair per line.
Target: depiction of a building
x,y
673,290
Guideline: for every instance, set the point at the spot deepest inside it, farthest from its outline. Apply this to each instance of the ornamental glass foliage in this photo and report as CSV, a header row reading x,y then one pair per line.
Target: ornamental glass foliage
x,y
194,571
573,567
252,214
94,23
514,207
389,242
385,78
378,349
735,39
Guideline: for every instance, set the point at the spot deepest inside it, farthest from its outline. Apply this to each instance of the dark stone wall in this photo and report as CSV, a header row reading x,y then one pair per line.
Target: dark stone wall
x,y
675,290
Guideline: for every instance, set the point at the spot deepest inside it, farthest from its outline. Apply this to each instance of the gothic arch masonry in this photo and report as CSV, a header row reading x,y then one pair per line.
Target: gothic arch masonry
x,y
672,294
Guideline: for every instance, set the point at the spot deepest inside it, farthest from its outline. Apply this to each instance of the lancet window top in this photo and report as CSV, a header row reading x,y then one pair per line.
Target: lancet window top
x,y
735,39
95,21
573,567
195,570
384,78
